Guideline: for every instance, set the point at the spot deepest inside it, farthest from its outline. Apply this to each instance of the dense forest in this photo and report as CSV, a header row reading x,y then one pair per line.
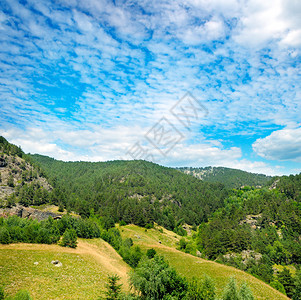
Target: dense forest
x,y
136,192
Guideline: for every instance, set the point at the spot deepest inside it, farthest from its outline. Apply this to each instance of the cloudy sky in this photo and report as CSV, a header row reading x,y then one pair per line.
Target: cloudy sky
x,y
101,80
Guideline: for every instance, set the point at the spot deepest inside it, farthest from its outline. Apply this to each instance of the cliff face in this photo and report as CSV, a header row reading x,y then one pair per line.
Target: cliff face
x,y
28,212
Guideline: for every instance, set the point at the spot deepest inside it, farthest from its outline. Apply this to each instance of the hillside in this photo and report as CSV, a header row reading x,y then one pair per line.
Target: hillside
x,y
231,178
190,266
83,273
20,180
136,192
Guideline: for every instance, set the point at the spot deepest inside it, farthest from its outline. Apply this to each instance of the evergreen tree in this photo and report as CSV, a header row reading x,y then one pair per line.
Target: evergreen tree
x,y
245,293
297,293
113,288
69,238
231,291
286,279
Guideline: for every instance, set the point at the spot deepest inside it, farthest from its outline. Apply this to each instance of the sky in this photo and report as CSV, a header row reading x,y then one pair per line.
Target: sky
x,y
181,83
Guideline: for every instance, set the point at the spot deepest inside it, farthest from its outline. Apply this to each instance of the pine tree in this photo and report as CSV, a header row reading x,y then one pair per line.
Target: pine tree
x,y
113,288
69,238
297,294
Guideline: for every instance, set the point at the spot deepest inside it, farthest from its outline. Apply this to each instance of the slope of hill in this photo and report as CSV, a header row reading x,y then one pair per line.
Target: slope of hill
x,y
231,178
136,192
20,179
191,266
83,273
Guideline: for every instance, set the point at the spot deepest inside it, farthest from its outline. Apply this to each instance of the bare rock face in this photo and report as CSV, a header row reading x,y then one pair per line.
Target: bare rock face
x,y
28,212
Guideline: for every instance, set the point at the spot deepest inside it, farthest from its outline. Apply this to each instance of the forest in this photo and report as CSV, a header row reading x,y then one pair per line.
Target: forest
x,y
257,230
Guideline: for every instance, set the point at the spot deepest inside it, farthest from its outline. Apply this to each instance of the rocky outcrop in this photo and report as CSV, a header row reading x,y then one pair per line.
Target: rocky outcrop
x,y
251,220
28,212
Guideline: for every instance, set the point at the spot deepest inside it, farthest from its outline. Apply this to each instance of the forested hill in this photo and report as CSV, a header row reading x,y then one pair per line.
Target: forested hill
x,y
20,180
231,178
136,192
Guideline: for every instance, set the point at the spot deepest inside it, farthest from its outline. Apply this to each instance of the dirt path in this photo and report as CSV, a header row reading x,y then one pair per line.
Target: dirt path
x,y
97,250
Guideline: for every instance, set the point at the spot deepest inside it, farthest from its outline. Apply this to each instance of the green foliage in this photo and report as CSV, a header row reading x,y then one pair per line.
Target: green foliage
x,y
10,149
297,293
137,192
2,294
286,279
69,239
15,229
113,288
4,235
278,286
10,181
150,253
21,295
204,290
156,280
233,292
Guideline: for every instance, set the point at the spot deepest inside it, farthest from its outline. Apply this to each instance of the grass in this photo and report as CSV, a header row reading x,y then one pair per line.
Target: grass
x,y
82,276
191,266
85,269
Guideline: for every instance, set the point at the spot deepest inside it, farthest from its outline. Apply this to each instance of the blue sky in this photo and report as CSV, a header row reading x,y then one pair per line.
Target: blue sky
x,y
87,80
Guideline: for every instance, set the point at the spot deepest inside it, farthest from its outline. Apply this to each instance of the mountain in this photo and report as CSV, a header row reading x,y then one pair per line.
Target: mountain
x,y
138,192
20,180
231,178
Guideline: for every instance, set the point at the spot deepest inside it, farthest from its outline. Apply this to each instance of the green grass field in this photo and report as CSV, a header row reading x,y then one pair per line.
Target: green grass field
x,y
85,269
191,266
82,276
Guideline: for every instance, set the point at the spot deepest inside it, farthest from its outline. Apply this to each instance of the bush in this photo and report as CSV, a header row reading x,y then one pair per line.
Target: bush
x,y
156,280
69,239
278,286
21,295
4,236
150,253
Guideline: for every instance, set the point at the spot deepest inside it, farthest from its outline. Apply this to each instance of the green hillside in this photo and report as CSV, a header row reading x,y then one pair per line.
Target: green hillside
x,y
231,178
190,266
83,273
136,192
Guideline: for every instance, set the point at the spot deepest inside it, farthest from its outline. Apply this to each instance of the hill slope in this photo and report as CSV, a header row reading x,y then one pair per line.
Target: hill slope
x,y
137,192
20,180
83,274
231,178
191,266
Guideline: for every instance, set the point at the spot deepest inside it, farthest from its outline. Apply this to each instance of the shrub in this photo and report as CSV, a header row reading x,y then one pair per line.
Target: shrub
x,y
150,253
4,236
69,239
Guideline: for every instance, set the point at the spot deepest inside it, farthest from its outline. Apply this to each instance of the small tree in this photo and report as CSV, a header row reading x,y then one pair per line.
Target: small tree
x,y
10,181
69,238
150,253
287,280
113,288
231,291
4,236
245,293
297,294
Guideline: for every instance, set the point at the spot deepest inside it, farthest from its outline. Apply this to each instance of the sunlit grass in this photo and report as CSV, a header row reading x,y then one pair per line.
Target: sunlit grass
x,y
191,266
82,276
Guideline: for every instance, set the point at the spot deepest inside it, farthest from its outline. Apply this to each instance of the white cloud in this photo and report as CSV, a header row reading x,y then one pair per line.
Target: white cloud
x,y
283,144
262,22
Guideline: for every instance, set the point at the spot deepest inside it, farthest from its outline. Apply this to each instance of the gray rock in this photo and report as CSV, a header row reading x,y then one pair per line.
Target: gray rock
x,y
56,263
